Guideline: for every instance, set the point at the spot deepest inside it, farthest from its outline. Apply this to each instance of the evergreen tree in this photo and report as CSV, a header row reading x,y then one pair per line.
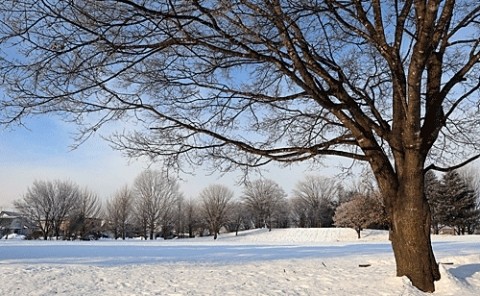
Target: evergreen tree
x,y
434,197
460,207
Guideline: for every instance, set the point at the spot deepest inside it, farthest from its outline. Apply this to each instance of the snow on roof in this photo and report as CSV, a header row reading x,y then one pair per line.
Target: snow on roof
x,y
9,214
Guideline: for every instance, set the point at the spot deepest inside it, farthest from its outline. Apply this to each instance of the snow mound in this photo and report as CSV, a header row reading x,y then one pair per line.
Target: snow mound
x,y
13,236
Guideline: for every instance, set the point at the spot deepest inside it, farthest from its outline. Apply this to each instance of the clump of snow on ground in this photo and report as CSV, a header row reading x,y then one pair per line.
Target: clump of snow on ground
x,y
256,262
12,236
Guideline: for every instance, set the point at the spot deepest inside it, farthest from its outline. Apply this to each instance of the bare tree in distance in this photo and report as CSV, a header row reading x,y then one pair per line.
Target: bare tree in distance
x,y
49,204
84,220
37,205
156,196
65,199
215,201
179,219
234,84
316,196
140,218
147,202
282,216
192,216
263,198
240,217
119,212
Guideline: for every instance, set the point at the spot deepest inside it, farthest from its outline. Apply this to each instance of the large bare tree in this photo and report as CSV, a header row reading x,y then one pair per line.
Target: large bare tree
x,y
391,83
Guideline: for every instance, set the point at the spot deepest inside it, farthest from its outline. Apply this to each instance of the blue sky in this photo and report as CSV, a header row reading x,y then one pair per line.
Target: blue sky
x,y
41,152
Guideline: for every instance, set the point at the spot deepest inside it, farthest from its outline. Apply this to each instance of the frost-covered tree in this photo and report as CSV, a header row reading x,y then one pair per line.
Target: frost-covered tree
x,y
37,205
459,208
360,212
65,199
48,204
433,194
119,212
240,217
314,201
282,216
263,197
192,212
215,201
155,198
85,218
472,179
179,216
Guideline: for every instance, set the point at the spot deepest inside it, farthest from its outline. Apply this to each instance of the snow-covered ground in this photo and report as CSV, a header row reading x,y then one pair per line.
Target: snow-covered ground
x,y
258,262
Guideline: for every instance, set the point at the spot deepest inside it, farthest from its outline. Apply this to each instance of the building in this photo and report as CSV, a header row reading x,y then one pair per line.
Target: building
x,y
13,222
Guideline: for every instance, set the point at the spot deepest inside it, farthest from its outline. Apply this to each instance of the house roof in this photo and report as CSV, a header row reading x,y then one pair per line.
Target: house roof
x,y
9,214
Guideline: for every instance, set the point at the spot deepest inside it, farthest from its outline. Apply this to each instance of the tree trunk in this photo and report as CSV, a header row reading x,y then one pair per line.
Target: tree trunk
x,y
436,229
410,232
190,231
358,229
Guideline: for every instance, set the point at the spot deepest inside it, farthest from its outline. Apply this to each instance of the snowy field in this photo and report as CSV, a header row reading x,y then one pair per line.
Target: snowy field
x,y
258,262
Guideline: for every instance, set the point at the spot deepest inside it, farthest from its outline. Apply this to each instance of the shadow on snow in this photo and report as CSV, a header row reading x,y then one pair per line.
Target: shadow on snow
x,y
124,254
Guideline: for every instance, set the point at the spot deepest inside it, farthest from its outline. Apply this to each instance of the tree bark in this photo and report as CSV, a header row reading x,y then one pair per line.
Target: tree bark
x,y
410,233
